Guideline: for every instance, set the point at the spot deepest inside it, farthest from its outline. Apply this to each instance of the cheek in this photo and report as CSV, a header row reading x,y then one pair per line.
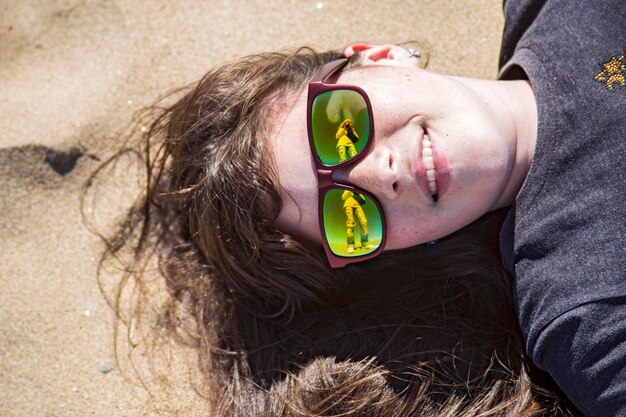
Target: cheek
x,y
406,227
410,227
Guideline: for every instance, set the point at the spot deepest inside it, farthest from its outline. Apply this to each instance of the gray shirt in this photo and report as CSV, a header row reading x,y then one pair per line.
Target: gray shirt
x,y
564,238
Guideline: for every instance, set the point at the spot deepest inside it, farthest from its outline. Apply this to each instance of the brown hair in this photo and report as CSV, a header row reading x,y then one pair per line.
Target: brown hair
x,y
424,331
225,187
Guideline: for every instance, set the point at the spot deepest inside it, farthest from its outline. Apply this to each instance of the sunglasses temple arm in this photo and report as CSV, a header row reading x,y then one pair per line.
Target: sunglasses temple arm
x,y
328,70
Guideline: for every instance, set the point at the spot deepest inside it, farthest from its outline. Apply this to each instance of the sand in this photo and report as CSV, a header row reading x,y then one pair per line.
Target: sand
x,y
71,75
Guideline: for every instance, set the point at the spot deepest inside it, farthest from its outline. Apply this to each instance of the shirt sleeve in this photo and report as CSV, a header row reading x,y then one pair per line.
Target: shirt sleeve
x,y
584,350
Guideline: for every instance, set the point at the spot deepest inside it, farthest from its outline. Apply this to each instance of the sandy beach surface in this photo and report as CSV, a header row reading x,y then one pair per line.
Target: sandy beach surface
x,y
72,73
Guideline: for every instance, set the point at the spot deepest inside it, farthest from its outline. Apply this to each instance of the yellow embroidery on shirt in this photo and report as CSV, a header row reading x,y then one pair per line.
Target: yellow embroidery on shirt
x,y
614,72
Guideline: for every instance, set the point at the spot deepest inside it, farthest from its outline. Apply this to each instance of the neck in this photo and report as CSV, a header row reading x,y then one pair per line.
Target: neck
x,y
518,100
515,108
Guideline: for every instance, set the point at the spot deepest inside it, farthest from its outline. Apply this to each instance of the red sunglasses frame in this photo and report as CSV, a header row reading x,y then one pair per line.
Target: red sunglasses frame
x,y
325,182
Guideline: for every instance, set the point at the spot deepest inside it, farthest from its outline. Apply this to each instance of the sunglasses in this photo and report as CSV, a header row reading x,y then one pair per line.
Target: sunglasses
x,y
341,132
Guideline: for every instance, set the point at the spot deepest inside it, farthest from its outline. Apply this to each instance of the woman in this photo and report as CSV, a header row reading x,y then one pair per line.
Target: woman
x,y
242,163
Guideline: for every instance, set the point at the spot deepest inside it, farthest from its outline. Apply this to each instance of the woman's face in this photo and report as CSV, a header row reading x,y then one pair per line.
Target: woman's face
x,y
471,143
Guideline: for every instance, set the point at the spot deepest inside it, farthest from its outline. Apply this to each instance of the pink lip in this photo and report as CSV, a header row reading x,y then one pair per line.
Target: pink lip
x,y
442,169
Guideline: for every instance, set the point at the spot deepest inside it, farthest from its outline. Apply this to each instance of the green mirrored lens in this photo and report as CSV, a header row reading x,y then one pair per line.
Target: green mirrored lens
x,y
352,223
340,123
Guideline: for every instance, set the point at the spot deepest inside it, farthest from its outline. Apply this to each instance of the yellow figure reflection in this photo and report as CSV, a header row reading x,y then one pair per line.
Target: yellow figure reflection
x,y
351,206
346,137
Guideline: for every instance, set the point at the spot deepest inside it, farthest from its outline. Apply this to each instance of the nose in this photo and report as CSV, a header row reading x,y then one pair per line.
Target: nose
x,y
377,173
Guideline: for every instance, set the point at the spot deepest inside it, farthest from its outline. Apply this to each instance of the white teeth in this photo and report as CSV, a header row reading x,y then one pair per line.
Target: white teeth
x,y
429,163
433,187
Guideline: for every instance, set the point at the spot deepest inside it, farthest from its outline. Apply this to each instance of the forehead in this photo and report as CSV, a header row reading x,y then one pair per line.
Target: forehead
x,y
289,145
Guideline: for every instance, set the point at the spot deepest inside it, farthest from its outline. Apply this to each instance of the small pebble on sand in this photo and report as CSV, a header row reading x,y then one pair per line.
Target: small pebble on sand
x,y
107,366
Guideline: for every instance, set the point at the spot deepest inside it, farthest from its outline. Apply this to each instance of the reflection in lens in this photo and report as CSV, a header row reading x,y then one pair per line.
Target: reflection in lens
x,y
352,223
340,124
346,138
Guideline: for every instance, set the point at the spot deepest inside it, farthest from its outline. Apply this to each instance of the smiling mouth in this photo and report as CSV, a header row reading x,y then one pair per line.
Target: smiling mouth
x,y
430,168
429,164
